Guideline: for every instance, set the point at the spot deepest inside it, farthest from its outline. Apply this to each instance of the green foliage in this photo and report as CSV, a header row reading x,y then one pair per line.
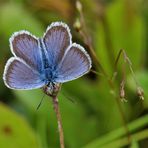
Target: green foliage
x,y
111,139
15,131
16,20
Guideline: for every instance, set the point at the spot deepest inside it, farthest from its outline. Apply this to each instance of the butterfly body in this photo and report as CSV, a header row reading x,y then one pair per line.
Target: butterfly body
x,y
49,72
45,62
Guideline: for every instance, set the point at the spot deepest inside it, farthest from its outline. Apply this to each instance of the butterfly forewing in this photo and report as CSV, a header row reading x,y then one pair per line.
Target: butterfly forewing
x,y
56,40
26,46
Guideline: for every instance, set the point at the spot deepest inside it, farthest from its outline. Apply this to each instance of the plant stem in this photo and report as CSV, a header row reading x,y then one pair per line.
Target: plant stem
x,y
59,120
124,120
86,38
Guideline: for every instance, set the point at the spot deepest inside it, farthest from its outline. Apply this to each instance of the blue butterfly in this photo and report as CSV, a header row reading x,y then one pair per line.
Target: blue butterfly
x,y
45,62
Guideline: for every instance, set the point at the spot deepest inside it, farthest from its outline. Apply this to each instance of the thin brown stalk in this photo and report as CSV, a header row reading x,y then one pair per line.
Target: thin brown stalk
x,y
127,60
59,120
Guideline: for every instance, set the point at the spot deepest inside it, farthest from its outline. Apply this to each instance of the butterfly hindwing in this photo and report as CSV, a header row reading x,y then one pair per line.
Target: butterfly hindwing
x,y
18,75
75,63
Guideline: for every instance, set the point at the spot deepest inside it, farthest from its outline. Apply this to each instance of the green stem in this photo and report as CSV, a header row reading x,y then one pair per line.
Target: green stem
x,y
123,142
135,125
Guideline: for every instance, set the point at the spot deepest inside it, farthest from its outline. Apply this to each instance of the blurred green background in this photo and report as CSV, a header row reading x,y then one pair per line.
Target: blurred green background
x,y
93,118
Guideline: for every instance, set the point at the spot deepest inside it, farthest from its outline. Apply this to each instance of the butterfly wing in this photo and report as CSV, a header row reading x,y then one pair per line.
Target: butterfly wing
x,y
26,47
18,75
75,63
56,39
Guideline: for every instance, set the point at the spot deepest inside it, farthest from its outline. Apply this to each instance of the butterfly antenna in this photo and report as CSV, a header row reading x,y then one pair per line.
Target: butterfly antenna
x,y
40,102
67,97
97,73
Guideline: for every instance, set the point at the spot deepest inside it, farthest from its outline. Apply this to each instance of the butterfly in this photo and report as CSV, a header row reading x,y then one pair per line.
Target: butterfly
x,y
45,62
